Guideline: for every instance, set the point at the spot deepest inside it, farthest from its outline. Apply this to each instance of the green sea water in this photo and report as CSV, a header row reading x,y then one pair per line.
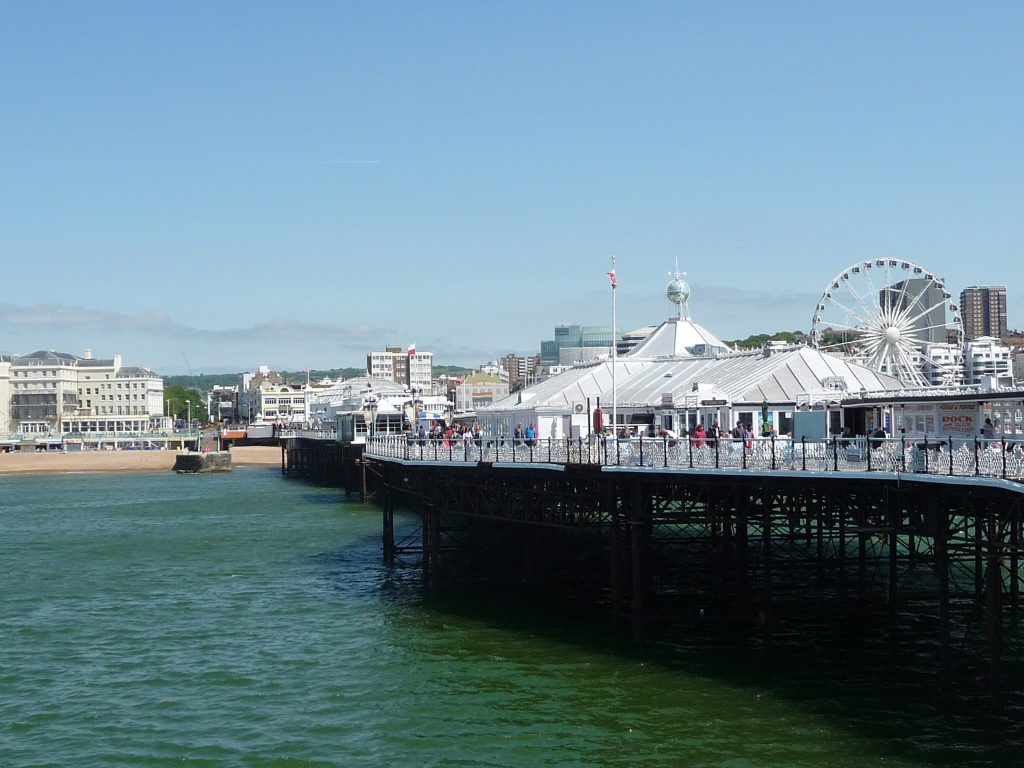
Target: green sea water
x,y
247,620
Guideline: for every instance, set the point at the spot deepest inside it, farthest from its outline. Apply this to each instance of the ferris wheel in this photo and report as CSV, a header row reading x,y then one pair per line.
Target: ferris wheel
x,y
893,316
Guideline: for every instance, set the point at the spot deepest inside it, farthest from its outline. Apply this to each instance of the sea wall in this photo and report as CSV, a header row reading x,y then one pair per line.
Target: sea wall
x,y
212,461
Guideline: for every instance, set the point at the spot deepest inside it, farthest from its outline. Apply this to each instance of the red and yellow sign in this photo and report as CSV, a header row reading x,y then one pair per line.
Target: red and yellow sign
x,y
958,419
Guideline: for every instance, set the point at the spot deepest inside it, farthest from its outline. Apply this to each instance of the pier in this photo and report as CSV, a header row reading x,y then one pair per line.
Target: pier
x,y
858,522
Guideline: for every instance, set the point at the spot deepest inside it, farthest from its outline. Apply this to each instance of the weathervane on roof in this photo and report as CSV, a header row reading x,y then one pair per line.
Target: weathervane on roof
x,y
678,292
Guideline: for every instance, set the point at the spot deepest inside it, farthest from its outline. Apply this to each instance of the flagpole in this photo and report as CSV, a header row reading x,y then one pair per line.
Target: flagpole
x,y
615,398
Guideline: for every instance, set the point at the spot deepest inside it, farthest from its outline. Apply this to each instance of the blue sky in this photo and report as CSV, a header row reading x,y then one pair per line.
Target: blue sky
x,y
295,184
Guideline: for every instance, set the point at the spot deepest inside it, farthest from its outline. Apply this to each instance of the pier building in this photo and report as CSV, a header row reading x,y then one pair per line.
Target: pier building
x,y
354,408
682,375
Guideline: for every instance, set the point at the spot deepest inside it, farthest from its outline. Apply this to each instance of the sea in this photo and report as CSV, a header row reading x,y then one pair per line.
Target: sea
x,y
247,619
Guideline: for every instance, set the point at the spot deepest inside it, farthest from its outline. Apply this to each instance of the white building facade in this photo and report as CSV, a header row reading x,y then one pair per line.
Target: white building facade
x,y
988,362
54,393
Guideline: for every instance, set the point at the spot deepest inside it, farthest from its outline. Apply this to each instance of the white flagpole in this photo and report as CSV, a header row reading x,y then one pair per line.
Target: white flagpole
x,y
615,398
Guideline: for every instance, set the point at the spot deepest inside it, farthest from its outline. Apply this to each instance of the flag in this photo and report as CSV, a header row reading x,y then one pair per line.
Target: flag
x,y
412,348
611,276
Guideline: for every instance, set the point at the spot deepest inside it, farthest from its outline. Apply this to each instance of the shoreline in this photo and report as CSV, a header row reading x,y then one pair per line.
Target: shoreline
x,y
47,463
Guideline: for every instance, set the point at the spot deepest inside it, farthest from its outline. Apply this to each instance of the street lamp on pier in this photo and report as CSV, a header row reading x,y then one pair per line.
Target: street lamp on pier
x,y
416,403
188,424
370,414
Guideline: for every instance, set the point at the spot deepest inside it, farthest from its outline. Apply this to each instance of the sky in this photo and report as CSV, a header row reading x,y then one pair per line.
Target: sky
x,y
218,186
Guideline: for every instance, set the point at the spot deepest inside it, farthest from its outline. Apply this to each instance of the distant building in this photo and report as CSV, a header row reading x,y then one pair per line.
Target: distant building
x,y
54,393
479,390
222,403
983,309
593,338
942,364
249,392
924,302
988,362
520,370
267,396
409,367
284,403
629,340
1017,362
5,394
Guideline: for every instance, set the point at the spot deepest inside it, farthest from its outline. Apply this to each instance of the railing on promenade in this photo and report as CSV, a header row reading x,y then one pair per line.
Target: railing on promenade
x,y
955,457
312,434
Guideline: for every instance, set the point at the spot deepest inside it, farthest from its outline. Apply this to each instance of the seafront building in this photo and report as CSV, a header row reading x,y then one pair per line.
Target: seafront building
x,y
265,396
5,395
56,393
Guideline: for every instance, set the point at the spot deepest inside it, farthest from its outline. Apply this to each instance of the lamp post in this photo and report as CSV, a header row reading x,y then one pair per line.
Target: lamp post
x,y
188,424
416,392
370,414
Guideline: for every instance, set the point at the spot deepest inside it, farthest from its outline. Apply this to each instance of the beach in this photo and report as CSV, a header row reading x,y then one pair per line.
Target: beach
x,y
122,461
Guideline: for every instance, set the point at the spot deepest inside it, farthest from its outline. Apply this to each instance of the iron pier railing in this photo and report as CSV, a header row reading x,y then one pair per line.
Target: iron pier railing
x,y
955,457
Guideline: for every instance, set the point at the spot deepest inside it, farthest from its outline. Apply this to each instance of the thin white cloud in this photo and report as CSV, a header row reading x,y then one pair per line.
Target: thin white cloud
x,y
60,317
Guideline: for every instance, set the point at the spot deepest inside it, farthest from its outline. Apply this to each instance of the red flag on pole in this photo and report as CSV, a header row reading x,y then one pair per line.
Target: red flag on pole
x,y
611,276
412,348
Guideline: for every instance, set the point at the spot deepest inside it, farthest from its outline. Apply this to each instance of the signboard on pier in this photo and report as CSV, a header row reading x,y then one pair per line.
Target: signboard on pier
x,y
958,419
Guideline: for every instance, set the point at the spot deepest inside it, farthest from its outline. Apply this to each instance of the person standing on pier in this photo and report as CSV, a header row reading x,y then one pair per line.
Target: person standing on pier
x,y
988,430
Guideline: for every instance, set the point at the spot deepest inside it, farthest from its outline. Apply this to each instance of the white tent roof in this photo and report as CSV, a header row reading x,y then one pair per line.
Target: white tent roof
x,y
343,391
679,337
747,378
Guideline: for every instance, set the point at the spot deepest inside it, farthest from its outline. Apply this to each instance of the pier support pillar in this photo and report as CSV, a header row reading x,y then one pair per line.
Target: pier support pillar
x,y
637,536
1014,566
994,602
425,538
346,471
979,555
610,502
434,515
939,520
742,504
894,517
389,526
765,616
841,510
862,558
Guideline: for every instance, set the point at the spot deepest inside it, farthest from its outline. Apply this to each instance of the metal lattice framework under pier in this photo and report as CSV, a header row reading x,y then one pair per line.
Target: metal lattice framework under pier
x,y
864,536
